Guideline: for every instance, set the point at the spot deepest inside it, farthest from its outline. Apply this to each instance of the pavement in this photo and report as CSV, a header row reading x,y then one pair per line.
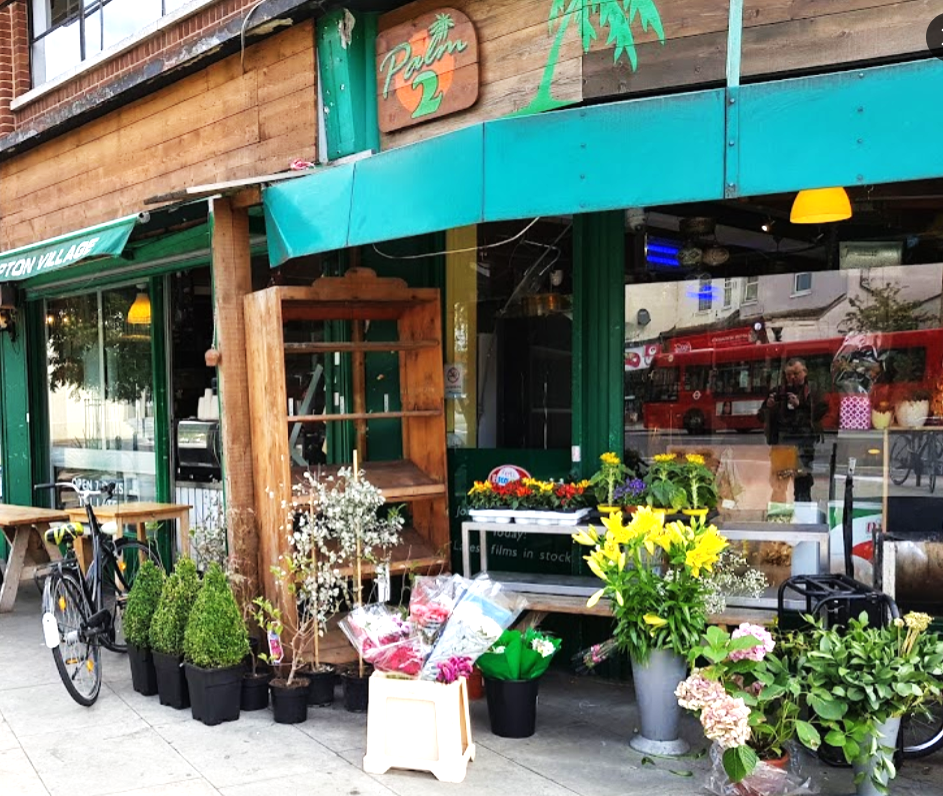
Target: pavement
x,y
131,745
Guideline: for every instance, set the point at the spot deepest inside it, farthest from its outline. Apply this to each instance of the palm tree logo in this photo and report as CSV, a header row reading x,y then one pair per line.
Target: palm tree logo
x,y
439,30
617,15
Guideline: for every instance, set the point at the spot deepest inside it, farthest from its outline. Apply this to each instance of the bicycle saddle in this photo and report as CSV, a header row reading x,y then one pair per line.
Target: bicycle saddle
x,y
70,531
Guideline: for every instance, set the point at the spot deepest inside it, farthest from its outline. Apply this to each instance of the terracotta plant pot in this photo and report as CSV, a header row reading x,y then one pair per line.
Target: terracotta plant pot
x,y
476,684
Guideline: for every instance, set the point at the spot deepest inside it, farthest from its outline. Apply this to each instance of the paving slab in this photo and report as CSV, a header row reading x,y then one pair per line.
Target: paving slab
x,y
342,779
17,775
336,728
111,762
195,787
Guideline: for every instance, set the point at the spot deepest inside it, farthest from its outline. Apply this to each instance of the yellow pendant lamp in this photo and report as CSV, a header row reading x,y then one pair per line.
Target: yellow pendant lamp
x,y
140,312
820,206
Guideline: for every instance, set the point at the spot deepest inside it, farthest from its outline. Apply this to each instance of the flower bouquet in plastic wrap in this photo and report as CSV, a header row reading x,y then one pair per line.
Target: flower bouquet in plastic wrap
x,y
519,656
452,620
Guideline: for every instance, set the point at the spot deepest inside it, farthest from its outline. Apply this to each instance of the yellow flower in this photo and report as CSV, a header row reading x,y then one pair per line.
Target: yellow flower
x,y
584,484
593,564
917,621
695,458
654,620
480,487
587,538
610,459
595,598
646,521
705,552
665,457
611,549
615,529
671,534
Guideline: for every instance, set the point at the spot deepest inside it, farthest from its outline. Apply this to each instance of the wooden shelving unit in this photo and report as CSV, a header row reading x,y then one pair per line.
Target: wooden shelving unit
x,y
419,479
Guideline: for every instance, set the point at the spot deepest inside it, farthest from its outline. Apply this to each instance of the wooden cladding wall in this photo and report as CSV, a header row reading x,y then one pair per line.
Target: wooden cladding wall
x,y
536,54
216,125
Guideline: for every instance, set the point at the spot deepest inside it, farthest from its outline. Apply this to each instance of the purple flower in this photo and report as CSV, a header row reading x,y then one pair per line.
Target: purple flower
x,y
454,668
629,492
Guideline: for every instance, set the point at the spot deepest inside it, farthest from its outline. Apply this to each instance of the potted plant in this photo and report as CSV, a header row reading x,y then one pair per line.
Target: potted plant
x,y
630,494
512,669
215,643
166,633
487,503
665,483
208,539
610,474
348,513
257,674
142,602
699,485
289,693
861,680
749,704
654,574
913,412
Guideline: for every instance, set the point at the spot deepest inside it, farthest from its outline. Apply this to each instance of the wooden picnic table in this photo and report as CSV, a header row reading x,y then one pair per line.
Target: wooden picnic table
x,y
139,514
21,524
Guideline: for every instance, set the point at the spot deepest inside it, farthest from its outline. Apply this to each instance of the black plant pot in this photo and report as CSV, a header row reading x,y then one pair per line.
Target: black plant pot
x,y
215,694
289,703
321,686
356,691
143,676
255,691
171,681
512,707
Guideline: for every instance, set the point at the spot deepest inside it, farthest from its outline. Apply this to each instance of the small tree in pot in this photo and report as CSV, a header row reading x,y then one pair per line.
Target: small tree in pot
x,y
142,603
214,646
167,631
258,674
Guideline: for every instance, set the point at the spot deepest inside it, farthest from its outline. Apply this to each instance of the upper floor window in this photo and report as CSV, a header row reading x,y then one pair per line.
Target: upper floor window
x,y
751,289
802,283
728,292
67,32
705,295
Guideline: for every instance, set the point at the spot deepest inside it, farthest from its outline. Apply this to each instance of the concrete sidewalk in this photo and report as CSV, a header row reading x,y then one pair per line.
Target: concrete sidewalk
x,y
129,744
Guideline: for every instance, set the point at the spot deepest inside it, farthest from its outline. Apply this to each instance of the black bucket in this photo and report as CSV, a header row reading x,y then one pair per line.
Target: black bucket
x,y
512,707
289,705
255,691
321,687
171,681
356,692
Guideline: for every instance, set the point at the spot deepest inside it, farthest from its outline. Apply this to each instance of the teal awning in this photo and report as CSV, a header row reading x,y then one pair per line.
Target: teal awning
x,y
102,240
580,160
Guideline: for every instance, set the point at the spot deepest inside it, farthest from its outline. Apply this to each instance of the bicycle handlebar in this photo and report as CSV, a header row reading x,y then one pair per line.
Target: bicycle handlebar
x,y
107,489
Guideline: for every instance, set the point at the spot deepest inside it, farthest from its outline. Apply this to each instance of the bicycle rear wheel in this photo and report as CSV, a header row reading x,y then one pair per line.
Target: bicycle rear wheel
x,y
922,733
901,459
78,655
121,564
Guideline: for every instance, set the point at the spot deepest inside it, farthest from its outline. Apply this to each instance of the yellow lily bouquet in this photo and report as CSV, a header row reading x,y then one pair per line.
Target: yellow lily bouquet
x,y
653,573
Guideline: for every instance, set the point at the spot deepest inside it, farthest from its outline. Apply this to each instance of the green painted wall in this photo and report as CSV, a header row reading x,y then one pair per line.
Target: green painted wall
x,y
348,81
599,336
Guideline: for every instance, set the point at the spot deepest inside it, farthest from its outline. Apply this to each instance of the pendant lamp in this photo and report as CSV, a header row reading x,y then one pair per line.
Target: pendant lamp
x,y
140,312
820,206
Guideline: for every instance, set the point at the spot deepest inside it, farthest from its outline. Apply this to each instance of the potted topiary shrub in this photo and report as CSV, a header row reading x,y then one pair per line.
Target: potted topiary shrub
x,y
214,645
166,634
142,602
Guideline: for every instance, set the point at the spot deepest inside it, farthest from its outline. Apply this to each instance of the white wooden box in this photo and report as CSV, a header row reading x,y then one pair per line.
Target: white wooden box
x,y
419,725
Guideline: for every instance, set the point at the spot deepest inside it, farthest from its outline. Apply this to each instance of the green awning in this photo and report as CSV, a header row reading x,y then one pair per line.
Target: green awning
x,y
102,240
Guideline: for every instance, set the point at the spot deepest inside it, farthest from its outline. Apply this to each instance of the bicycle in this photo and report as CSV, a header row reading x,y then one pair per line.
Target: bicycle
x,y
919,453
83,612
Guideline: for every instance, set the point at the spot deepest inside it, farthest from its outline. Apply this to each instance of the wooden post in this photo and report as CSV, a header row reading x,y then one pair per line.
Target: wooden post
x,y
359,376
232,280
359,584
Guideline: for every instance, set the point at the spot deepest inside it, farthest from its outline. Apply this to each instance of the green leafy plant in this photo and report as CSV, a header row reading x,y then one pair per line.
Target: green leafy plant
x,y
519,656
215,637
698,482
173,610
746,698
616,15
142,603
861,676
654,574
611,473
666,483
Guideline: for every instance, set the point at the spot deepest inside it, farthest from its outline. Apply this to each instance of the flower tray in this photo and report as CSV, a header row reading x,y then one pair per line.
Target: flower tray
x,y
500,516
551,517
420,725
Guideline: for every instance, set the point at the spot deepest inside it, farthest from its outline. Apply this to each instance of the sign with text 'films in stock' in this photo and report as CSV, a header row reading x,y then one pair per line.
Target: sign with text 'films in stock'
x,y
426,68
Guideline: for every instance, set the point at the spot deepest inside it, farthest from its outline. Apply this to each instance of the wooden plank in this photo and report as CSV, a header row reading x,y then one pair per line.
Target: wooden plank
x,y
864,35
390,346
765,12
398,480
686,62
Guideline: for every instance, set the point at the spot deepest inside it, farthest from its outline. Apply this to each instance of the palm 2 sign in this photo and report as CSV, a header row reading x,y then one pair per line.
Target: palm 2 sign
x,y
426,69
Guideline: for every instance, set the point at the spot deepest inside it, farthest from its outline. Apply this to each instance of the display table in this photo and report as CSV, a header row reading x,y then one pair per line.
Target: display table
x,y
20,524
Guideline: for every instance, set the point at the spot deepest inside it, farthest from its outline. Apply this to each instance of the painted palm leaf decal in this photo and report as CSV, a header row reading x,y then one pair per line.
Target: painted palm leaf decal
x,y
585,11
556,11
615,18
648,16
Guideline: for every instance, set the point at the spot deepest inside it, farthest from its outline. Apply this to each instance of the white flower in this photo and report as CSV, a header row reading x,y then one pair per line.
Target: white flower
x,y
544,647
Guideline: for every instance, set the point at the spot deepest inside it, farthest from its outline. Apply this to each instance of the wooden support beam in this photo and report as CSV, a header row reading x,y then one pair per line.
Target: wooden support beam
x,y
247,197
232,281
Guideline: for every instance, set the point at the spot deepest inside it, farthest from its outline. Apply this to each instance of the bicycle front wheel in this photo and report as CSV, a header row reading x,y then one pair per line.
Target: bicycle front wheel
x,y
78,654
922,732
120,567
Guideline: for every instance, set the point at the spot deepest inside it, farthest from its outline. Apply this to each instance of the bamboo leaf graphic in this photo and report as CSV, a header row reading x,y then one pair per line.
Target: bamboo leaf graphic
x,y
613,16
587,29
648,15
556,11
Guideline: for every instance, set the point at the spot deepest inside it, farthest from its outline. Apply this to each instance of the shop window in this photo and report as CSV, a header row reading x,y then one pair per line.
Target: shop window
x,y
728,293
100,392
67,32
